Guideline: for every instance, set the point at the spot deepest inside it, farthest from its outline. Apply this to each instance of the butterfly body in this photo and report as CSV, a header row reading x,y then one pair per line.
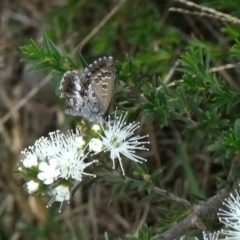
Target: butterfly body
x,y
88,94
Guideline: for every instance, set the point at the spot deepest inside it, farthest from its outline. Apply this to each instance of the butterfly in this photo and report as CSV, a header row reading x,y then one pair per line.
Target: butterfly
x,y
88,94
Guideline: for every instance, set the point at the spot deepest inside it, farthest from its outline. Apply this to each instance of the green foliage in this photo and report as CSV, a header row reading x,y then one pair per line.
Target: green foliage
x,y
43,57
226,150
48,57
236,49
211,123
128,72
230,140
145,233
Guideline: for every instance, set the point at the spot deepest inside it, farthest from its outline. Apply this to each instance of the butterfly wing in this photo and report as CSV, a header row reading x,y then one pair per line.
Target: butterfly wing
x,y
102,81
73,91
70,87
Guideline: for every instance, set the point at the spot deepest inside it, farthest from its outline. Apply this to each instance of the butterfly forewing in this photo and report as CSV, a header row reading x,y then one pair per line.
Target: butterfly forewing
x,y
102,80
89,93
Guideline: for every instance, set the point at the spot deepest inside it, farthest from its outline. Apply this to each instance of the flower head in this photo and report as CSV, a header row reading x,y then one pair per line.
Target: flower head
x,y
95,145
96,127
30,161
48,171
206,236
32,186
80,142
71,162
231,217
210,236
60,193
118,138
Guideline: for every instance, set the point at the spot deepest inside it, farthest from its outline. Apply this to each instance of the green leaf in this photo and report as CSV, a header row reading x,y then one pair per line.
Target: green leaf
x,y
237,128
80,59
105,236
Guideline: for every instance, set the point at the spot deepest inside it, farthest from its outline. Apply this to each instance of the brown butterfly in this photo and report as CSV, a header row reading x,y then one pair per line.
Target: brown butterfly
x,y
88,94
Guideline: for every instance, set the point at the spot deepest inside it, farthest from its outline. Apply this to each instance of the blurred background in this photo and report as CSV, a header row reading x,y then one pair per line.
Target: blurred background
x,y
30,108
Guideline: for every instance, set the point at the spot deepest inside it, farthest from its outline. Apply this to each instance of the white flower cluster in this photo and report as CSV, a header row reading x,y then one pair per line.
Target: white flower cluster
x,y
53,164
230,217
206,236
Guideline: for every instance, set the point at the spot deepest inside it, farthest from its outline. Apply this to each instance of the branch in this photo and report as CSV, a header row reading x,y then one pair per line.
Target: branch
x,y
203,211
169,196
100,25
205,11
